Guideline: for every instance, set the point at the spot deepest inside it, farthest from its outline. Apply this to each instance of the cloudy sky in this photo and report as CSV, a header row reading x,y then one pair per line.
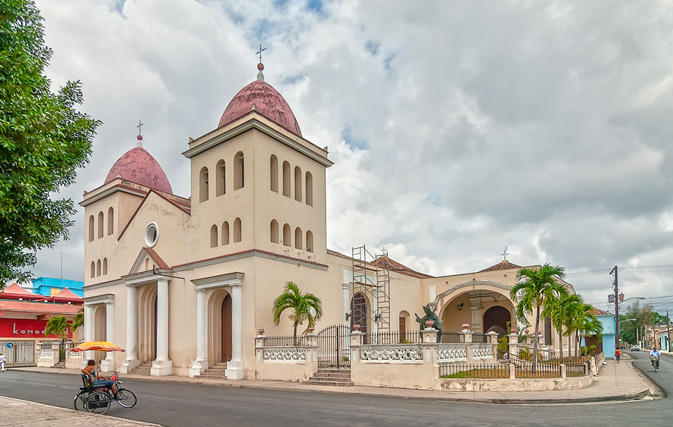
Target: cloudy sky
x,y
457,129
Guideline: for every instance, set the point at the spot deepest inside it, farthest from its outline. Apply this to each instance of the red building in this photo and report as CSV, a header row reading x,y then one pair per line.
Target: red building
x,y
23,319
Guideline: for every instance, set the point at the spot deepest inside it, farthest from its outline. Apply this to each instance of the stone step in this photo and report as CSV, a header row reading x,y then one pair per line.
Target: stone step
x,y
335,379
330,383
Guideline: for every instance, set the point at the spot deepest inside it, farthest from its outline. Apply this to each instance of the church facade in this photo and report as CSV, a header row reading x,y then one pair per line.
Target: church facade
x,y
185,283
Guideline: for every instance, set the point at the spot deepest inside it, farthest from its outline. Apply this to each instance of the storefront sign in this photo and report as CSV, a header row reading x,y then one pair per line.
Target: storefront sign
x,y
25,328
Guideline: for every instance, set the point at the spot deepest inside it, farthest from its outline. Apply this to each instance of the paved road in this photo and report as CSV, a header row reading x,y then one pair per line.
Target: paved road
x,y
180,404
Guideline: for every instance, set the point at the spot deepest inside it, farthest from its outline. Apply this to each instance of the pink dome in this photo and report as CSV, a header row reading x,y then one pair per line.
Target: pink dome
x,y
268,103
138,166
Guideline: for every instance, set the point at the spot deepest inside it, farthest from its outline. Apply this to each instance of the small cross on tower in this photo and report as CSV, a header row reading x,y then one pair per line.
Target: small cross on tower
x,y
259,52
504,254
140,133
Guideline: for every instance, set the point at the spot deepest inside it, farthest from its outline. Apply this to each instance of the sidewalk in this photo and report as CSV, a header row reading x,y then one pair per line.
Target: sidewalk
x,y
616,382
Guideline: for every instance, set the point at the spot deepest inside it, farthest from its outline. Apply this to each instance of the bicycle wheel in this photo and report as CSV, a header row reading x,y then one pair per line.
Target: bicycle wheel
x,y
126,398
99,402
80,400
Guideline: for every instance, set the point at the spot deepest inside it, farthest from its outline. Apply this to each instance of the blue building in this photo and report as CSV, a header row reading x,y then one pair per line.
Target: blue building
x,y
49,286
607,344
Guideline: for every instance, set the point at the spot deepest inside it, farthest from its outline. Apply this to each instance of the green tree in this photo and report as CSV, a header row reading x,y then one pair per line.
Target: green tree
x,y
590,325
560,310
59,325
534,290
304,307
43,140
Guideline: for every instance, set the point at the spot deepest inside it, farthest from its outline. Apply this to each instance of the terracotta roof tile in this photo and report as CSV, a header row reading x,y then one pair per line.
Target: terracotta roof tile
x,y
503,265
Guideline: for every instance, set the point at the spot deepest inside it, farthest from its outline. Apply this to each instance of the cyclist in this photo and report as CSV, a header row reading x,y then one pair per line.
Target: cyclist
x,y
654,357
98,381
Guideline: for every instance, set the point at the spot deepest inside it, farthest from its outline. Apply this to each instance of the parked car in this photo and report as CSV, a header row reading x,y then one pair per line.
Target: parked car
x,y
635,348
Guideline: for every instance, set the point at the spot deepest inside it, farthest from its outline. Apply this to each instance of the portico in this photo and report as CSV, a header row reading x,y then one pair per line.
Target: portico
x,y
149,319
212,294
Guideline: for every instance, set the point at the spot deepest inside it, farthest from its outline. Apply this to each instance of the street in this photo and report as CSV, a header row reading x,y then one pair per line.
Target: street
x,y
179,404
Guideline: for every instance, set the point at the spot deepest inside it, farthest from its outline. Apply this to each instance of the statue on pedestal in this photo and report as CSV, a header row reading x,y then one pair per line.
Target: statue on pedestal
x,y
430,320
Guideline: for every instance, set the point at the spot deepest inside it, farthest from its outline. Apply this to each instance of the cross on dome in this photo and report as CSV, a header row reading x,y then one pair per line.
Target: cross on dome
x,y
140,133
260,66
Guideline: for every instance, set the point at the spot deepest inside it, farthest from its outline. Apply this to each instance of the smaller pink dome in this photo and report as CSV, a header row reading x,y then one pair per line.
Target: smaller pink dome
x,y
268,102
138,166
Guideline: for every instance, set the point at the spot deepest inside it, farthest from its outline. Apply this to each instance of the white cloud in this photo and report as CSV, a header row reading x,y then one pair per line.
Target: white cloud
x,y
456,130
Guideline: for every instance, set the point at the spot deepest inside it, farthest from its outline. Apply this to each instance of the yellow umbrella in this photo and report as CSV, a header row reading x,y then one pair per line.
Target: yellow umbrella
x,y
97,345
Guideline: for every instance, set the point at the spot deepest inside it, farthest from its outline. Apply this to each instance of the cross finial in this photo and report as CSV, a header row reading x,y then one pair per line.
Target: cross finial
x,y
259,52
504,254
140,133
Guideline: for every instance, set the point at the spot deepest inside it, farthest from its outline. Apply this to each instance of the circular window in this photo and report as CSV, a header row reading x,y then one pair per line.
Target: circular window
x,y
151,234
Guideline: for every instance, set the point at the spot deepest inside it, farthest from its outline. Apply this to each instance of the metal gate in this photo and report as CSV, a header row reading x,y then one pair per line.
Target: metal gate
x,y
21,353
333,347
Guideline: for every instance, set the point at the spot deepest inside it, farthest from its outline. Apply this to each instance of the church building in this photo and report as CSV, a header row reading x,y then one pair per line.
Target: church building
x,y
185,283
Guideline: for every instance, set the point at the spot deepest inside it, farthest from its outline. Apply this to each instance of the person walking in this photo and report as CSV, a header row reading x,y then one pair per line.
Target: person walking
x,y
618,354
2,362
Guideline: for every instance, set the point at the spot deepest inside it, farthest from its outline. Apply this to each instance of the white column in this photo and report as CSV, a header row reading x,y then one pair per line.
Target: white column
x,y
108,365
88,331
346,290
234,369
162,365
201,363
162,320
131,330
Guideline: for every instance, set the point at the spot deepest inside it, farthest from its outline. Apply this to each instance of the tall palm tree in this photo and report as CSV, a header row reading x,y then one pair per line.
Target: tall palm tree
x,y
590,325
558,312
304,306
535,289
572,322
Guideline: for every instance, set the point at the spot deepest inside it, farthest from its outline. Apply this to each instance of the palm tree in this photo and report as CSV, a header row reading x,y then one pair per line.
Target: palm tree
x,y
535,289
590,325
58,325
558,312
305,307
572,322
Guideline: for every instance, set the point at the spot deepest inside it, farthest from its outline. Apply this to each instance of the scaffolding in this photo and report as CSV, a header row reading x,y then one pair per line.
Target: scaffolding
x,y
371,277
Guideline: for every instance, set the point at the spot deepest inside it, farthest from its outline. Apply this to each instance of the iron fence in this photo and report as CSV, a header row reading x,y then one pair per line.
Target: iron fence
x,y
285,341
393,337
546,369
451,337
473,370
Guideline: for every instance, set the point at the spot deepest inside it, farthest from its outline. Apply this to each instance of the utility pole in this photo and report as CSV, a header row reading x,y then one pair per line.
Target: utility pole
x,y
616,285
668,330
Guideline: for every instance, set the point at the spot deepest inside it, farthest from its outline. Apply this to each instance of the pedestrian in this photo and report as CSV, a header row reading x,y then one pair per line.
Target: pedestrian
x,y
618,353
2,362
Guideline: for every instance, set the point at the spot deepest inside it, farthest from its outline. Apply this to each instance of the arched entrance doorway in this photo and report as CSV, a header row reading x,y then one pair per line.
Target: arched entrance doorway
x,y
147,316
359,312
226,329
495,319
220,343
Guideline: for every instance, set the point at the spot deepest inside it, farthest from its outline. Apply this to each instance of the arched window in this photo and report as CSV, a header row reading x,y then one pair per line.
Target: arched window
x,y
91,229
275,233
287,239
213,236
104,265
93,268
98,268
225,233
309,189
309,241
239,171
273,172
110,221
298,238
221,181
237,230
297,183
203,184
403,325
286,179
100,224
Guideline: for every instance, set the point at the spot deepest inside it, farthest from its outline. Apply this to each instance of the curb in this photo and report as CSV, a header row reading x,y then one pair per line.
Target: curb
x,y
279,386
